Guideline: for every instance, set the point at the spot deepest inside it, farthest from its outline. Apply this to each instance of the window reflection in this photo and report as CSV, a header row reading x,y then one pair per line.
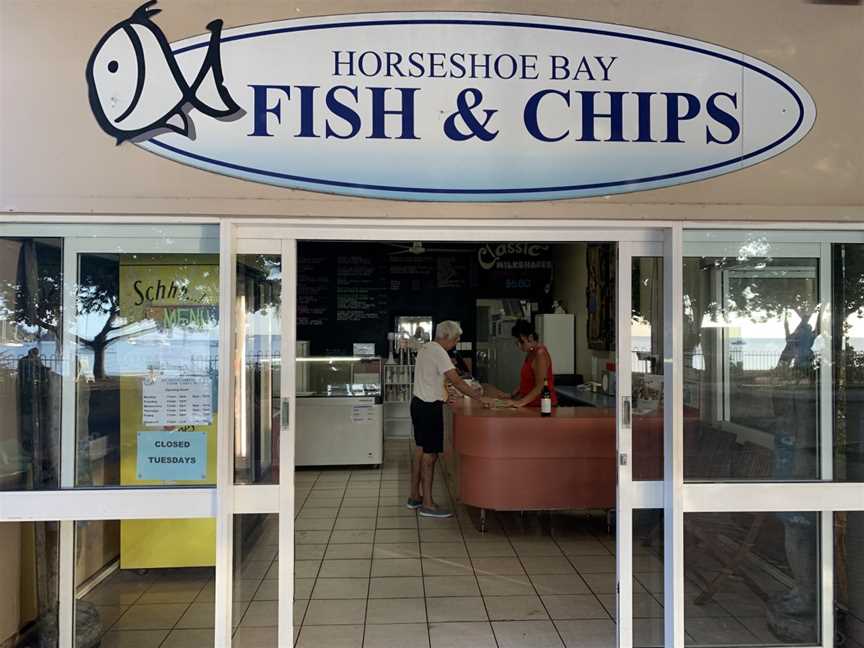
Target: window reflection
x,y
752,350
31,289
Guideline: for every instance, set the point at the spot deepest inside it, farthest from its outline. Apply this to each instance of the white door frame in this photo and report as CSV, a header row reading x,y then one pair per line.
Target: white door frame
x,y
265,238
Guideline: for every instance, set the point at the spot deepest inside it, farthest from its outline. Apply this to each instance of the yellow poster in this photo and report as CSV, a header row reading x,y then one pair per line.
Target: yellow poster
x,y
168,399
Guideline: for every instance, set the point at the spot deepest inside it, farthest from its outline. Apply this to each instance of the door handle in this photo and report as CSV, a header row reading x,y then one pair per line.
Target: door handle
x,y
285,411
626,411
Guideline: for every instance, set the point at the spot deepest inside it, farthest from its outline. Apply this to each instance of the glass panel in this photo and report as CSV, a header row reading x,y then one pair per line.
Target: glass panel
x,y
648,578
751,379
31,297
29,559
751,579
848,343
256,425
145,582
646,341
146,379
256,581
849,579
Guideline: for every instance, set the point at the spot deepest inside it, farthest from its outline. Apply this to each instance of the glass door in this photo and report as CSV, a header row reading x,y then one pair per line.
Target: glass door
x,y
641,423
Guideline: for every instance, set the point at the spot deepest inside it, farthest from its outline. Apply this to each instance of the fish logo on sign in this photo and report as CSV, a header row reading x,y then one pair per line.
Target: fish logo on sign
x,y
137,88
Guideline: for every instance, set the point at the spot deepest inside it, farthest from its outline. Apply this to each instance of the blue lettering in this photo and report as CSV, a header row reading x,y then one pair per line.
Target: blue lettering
x,y
344,111
674,117
529,64
260,110
530,115
606,67
643,101
560,68
380,112
615,116
307,111
337,63
721,116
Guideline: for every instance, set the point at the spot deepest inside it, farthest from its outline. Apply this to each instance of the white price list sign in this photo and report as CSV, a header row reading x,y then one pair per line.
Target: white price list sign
x,y
178,401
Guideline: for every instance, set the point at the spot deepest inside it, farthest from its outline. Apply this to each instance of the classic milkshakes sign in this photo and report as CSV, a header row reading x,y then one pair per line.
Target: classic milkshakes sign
x,y
444,106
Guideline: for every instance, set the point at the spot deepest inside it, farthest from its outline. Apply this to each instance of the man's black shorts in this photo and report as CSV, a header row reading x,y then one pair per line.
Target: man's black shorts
x,y
428,421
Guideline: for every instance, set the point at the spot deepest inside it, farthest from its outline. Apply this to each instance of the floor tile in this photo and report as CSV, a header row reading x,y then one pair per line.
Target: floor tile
x,y
303,587
345,568
587,633
396,611
515,608
451,586
531,548
594,564
335,612
447,567
310,537
189,638
462,635
718,630
396,511
574,606
456,608
547,565
340,588
648,633
396,567
109,614
256,637
399,635
349,636
314,524
309,551
199,615
151,617
396,523
396,550
317,512
527,634
396,587
261,614
133,638
343,551
365,536
306,568
559,584
443,549
501,566
345,524
505,585
598,583
349,510
440,535
386,536
583,548
494,549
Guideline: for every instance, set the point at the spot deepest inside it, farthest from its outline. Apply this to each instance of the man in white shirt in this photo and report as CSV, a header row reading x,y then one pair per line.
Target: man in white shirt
x,y
433,370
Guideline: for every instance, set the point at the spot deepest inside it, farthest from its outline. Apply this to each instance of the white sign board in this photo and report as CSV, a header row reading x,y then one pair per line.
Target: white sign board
x,y
177,401
445,106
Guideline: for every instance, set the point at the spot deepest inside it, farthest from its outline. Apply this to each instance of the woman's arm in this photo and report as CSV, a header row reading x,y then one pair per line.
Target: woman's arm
x,y
540,366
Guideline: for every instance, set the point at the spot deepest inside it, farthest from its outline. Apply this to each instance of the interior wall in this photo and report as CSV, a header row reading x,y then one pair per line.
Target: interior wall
x,y
10,567
569,288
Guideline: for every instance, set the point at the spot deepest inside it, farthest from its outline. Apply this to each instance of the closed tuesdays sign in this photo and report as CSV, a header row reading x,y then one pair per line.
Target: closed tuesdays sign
x,y
172,456
444,106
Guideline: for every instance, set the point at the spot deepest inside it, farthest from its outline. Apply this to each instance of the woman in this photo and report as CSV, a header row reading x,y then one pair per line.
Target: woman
x,y
536,369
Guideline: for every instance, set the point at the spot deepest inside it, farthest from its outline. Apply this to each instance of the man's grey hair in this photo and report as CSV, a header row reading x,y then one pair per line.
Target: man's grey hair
x,y
447,330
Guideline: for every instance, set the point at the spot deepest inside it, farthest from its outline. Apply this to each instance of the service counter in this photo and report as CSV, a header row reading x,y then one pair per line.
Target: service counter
x,y
517,460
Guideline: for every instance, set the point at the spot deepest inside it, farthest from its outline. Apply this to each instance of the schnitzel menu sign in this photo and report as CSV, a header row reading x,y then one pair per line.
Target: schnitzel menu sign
x,y
443,106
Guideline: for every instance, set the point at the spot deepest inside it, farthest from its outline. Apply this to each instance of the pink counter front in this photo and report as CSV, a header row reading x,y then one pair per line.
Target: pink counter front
x,y
516,460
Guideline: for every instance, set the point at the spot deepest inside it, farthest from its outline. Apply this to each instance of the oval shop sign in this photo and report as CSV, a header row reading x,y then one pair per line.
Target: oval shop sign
x,y
444,106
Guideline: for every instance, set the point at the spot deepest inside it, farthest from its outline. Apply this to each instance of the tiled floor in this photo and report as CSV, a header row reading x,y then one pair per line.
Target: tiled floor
x,y
369,573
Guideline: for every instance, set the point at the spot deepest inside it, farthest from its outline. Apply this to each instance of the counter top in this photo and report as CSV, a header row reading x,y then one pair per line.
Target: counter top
x,y
470,408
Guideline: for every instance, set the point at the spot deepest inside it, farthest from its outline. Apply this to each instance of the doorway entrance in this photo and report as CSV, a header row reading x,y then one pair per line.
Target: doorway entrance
x,y
524,567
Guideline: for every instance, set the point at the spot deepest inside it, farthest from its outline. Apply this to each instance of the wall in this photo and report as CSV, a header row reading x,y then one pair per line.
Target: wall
x,y
571,280
10,567
54,158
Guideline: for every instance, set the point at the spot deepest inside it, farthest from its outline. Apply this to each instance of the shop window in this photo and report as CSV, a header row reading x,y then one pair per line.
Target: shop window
x,y
258,374
29,560
146,369
752,348
849,579
751,579
31,364
256,581
145,582
848,356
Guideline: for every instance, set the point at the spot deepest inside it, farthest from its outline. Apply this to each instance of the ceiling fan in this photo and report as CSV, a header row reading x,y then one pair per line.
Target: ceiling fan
x,y
417,248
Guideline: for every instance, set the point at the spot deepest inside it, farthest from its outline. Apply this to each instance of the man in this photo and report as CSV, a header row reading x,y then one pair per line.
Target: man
x,y
433,370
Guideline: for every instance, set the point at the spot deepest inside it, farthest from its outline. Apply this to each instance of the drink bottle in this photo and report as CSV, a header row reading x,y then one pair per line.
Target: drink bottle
x,y
545,400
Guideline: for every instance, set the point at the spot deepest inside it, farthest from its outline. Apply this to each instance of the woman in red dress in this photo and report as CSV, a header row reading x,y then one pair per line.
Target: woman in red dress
x,y
536,368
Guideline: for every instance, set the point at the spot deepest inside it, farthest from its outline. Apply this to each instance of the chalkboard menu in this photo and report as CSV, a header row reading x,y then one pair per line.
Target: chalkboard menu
x,y
361,292
313,289
410,272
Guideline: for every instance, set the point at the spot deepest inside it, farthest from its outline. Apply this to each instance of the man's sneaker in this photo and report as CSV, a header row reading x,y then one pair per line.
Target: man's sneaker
x,y
414,504
435,512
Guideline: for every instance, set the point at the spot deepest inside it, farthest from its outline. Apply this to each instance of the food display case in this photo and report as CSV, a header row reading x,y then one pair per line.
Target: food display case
x,y
340,418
